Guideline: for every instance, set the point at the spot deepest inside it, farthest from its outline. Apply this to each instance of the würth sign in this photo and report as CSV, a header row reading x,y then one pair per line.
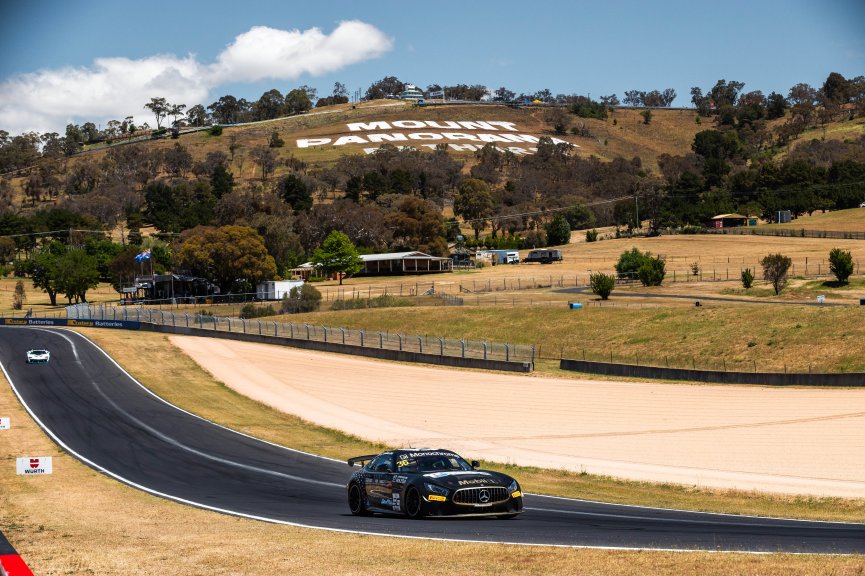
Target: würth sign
x,y
476,132
32,466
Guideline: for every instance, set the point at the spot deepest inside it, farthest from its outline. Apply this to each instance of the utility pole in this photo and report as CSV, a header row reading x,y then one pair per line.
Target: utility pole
x,y
637,205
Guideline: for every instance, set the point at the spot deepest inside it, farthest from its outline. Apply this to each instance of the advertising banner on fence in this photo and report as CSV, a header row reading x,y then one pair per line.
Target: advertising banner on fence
x,y
32,466
123,324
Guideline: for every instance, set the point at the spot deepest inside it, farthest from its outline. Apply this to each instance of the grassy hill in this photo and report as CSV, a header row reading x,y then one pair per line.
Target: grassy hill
x,y
623,134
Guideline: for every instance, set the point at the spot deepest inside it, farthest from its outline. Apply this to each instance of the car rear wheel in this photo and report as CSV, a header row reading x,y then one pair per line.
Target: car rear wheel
x,y
355,501
413,504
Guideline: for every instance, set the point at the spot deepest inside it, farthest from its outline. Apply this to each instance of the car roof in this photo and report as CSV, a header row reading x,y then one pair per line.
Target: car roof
x,y
426,451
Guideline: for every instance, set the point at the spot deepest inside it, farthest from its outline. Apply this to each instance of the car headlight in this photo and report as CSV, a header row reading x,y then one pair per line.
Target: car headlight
x,y
433,489
514,490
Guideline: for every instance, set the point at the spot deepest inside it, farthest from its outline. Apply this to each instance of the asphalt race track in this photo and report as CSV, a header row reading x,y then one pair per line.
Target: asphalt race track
x,y
106,419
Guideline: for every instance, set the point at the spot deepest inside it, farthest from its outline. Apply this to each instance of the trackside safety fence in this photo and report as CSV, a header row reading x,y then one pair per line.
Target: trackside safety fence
x,y
428,345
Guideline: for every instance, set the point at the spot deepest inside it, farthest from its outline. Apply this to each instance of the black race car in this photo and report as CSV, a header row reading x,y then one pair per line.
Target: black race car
x,y
430,482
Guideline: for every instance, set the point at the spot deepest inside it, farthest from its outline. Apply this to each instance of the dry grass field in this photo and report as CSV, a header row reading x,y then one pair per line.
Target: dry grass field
x,y
78,521
850,220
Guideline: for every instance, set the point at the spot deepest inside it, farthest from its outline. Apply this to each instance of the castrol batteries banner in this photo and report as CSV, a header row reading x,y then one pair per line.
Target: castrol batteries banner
x,y
33,465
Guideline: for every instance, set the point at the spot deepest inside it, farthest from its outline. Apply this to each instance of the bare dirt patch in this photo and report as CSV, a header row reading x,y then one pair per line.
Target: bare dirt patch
x,y
777,440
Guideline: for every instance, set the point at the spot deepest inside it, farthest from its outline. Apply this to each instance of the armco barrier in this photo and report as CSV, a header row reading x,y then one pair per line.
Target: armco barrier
x,y
381,353
851,379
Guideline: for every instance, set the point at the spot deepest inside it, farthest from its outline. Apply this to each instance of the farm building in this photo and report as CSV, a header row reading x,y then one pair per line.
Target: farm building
x,y
732,220
404,263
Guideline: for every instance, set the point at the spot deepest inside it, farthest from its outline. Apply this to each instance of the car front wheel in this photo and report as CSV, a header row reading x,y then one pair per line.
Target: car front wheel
x,y
413,504
355,501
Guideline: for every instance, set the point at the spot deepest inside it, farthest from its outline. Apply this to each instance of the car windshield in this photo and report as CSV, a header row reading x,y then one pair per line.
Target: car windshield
x,y
431,462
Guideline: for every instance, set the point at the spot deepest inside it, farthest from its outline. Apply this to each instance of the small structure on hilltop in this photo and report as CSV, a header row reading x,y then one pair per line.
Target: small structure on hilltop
x,y
411,92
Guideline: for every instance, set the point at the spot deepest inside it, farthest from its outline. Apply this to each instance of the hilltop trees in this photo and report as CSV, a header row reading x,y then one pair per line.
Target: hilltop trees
x,y
387,86
160,108
652,99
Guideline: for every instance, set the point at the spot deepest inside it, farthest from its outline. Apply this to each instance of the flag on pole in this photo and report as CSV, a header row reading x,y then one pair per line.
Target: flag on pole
x,y
143,256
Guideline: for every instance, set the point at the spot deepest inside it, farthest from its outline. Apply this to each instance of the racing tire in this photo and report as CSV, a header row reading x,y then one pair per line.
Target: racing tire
x,y
355,501
413,504
506,516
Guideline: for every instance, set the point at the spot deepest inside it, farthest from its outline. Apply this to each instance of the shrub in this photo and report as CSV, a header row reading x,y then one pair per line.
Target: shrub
x,y
215,130
275,140
652,271
775,268
695,268
19,297
647,116
747,278
841,264
633,263
383,301
253,311
591,235
602,284
630,261
305,298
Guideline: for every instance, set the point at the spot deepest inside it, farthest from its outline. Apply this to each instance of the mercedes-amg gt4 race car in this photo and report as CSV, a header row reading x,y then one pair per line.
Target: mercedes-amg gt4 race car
x,y
430,482
38,356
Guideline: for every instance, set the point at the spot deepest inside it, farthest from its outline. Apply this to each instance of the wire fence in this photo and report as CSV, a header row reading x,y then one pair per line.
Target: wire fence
x,y
787,233
437,345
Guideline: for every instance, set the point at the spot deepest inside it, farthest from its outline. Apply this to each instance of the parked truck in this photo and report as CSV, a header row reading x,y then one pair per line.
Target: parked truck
x,y
544,256
499,256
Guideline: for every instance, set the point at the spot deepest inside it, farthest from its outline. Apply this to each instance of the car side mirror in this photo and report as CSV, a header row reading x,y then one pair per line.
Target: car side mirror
x,y
476,464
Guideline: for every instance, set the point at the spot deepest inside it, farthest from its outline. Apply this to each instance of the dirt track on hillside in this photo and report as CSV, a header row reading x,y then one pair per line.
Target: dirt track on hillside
x,y
807,441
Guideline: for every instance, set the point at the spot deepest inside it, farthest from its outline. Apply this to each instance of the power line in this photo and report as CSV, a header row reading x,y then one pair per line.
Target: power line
x,y
51,232
537,212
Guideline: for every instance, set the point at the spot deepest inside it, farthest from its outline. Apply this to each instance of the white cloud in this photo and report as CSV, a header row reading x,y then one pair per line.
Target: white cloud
x,y
112,88
285,55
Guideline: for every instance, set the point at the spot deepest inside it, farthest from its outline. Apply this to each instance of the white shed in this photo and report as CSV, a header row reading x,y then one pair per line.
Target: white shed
x,y
276,289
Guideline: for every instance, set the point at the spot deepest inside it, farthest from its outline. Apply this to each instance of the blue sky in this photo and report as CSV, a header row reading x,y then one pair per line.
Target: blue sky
x,y
97,60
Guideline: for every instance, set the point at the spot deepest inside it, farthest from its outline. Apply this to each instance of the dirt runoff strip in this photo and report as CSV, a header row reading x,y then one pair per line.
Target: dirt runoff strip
x,y
784,440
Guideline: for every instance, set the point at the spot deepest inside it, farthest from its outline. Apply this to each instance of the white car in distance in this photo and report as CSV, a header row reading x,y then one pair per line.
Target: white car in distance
x,y
38,356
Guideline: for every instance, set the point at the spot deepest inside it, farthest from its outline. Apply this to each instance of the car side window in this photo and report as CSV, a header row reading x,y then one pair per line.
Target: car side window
x,y
382,463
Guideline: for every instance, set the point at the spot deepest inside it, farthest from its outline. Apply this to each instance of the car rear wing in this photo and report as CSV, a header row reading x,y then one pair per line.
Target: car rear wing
x,y
362,459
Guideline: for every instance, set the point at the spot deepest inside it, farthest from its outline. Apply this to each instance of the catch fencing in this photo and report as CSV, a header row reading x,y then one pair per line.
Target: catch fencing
x,y
364,339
